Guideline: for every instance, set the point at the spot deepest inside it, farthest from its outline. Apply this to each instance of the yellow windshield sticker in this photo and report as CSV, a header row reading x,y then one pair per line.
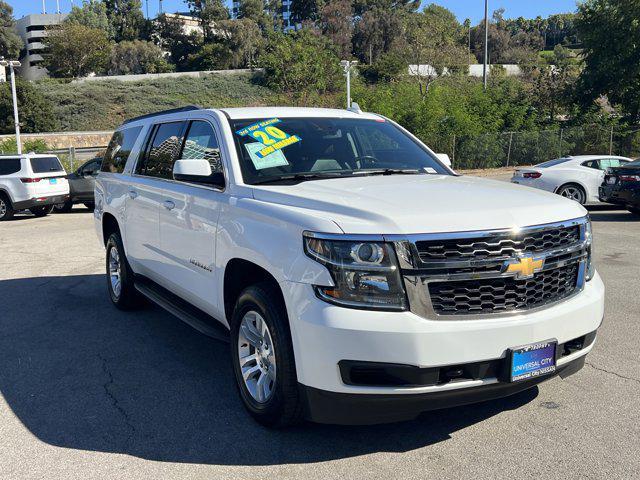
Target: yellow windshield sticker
x,y
270,137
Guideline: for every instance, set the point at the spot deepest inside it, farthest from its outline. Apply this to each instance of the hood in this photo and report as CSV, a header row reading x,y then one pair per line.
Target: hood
x,y
402,204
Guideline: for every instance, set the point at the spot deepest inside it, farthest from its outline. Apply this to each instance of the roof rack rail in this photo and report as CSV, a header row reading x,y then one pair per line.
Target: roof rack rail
x,y
188,108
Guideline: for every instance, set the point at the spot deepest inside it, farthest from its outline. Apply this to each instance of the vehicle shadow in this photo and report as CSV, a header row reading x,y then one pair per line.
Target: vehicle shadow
x,y
80,374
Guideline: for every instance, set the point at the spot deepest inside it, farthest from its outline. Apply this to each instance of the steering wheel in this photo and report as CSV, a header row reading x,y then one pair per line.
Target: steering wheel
x,y
366,160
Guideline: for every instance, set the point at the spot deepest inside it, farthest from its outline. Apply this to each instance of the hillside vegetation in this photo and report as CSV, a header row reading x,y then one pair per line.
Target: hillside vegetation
x,y
103,105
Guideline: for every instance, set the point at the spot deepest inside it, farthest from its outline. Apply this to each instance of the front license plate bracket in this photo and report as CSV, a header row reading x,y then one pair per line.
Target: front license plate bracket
x,y
532,361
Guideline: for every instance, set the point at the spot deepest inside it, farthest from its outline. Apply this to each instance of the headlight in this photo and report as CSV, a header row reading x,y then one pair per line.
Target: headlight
x,y
365,274
591,269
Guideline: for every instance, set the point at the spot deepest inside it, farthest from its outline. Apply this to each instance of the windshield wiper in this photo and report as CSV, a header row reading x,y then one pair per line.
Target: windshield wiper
x,y
393,171
302,177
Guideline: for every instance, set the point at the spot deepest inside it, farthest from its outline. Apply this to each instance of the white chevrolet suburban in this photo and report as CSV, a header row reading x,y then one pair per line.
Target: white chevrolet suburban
x,y
357,278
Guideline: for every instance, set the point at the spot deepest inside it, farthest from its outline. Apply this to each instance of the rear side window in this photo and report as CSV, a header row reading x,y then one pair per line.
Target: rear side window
x,y
163,151
553,163
119,149
46,165
9,166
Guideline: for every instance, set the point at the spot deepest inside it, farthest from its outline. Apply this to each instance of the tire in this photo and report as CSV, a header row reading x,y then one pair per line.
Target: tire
x,y
122,291
573,192
282,406
634,210
6,208
63,207
90,205
41,211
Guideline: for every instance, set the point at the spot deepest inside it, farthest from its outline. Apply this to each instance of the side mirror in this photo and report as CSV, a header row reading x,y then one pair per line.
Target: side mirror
x,y
444,158
197,171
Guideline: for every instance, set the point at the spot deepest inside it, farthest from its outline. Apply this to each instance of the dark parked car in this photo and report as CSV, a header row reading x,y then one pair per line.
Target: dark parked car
x,y
81,184
622,187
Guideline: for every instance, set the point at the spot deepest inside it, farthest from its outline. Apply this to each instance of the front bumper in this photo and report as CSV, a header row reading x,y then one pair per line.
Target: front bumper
x,y
353,409
40,201
324,335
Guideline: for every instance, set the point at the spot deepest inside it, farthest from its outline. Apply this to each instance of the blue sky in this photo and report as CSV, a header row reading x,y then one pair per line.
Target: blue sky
x,y
473,9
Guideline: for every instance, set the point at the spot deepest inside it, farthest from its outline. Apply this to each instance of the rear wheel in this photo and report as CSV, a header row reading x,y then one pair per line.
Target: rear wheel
x,y
634,210
6,209
42,211
120,284
573,192
90,205
262,357
64,207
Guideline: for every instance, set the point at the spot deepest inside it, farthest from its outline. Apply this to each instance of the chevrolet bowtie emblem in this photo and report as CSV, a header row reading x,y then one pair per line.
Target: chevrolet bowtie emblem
x,y
524,267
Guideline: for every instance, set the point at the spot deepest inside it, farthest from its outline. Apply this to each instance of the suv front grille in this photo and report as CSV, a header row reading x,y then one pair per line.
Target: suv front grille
x,y
497,246
491,272
503,294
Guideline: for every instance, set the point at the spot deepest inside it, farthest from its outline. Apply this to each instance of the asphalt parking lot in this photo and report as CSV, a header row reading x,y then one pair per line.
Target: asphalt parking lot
x,y
87,391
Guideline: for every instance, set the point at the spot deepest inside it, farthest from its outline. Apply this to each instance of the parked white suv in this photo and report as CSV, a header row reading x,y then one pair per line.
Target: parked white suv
x,y
357,278
32,181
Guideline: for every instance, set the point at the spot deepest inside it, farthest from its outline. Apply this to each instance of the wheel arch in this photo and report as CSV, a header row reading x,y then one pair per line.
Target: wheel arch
x,y
109,225
576,183
239,274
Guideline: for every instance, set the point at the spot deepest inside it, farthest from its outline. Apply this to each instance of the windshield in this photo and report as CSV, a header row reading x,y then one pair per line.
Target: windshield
x,y
46,164
552,163
273,150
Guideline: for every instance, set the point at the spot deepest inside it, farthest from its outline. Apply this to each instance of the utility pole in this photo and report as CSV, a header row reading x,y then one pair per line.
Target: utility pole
x,y
58,7
11,64
347,65
44,7
486,43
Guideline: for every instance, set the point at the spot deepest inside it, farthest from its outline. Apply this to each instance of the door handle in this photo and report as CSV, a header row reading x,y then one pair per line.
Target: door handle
x,y
169,205
133,194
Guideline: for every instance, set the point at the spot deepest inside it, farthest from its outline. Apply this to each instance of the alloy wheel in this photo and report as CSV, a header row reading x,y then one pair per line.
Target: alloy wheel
x,y
3,208
257,357
115,272
572,193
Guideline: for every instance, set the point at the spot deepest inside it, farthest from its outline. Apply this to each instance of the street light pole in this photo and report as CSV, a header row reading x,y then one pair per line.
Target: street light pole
x,y
11,64
347,66
486,43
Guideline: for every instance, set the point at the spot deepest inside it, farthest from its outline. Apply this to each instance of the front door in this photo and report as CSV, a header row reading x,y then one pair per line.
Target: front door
x,y
188,223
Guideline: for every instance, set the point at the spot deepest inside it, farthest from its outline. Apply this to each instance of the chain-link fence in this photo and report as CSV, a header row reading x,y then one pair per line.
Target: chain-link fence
x,y
495,150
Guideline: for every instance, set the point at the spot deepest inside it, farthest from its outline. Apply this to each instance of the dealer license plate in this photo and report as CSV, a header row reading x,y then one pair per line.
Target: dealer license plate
x,y
533,360
611,180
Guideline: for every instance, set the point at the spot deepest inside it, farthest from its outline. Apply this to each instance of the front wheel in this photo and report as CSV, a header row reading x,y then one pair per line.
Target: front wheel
x,y
262,357
573,192
42,211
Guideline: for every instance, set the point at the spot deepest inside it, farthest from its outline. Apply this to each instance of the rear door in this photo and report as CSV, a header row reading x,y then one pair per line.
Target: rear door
x,y
146,193
189,220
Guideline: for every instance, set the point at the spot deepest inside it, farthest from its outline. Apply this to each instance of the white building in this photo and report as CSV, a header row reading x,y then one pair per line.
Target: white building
x,y
33,29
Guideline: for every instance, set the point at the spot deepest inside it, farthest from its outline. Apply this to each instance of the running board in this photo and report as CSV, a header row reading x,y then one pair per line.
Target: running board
x,y
186,312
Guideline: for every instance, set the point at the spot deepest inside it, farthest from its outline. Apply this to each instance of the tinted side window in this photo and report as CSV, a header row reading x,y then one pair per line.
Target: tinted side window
x,y
592,164
9,166
163,150
201,143
119,149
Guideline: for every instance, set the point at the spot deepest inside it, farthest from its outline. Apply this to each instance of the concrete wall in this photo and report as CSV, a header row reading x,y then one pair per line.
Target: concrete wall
x,y
475,70
67,139
153,76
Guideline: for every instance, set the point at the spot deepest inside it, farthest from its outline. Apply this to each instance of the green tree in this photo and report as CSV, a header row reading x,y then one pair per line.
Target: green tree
x,y
181,46
126,19
136,57
301,62
305,10
75,51
378,31
610,36
92,13
362,6
36,113
336,22
255,10
209,12
10,42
